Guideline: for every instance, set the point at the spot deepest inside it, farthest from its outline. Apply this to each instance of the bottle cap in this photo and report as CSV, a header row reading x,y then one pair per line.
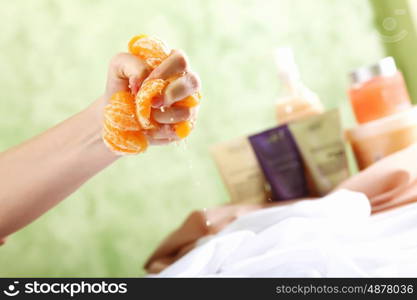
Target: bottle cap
x,y
284,59
384,67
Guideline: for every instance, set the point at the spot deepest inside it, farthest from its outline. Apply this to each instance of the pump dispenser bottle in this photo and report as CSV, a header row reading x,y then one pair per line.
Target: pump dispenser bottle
x,y
297,101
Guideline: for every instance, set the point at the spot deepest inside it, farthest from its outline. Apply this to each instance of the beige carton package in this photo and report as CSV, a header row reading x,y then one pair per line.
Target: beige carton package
x,y
320,141
240,171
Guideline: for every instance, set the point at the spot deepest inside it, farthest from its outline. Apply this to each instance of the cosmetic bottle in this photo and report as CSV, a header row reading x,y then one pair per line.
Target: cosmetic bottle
x,y
320,141
377,139
378,91
297,101
281,163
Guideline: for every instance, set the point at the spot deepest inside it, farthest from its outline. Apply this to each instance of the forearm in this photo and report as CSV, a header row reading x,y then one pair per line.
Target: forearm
x,y
38,174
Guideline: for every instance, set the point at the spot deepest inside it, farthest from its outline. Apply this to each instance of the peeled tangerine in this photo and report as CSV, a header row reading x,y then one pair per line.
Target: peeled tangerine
x,y
148,91
121,132
124,141
182,129
150,49
121,112
127,118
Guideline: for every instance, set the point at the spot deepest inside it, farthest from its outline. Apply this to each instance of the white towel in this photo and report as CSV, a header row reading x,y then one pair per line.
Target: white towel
x,y
331,237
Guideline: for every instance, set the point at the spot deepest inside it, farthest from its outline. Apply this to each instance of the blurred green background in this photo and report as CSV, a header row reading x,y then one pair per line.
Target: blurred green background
x,y
53,62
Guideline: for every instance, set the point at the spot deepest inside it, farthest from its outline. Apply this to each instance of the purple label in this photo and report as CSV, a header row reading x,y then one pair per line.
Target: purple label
x,y
278,156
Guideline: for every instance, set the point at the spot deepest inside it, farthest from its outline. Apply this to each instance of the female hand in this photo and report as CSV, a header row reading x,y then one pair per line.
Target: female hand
x,y
43,171
127,72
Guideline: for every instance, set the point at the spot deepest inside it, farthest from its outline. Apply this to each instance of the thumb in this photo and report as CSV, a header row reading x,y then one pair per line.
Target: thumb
x,y
126,73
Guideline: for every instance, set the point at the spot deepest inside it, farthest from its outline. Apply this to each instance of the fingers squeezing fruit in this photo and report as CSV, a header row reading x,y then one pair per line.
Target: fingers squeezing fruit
x,y
128,119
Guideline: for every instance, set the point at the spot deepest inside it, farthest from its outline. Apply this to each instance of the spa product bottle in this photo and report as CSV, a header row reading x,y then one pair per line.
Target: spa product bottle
x,y
321,145
377,139
298,101
378,91
280,160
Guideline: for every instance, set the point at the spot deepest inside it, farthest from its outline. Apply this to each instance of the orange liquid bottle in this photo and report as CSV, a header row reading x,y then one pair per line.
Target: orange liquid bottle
x,y
297,101
378,91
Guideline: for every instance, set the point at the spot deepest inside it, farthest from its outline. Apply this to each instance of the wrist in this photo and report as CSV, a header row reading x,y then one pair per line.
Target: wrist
x,y
94,115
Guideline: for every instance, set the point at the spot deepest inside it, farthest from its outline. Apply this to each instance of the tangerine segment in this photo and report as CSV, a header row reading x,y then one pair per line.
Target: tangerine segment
x,y
123,98
131,142
149,89
188,102
152,50
115,149
121,117
121,111
182,129
132,49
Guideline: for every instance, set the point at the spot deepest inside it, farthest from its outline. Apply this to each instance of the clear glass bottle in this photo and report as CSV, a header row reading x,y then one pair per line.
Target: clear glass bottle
x,y
297,101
